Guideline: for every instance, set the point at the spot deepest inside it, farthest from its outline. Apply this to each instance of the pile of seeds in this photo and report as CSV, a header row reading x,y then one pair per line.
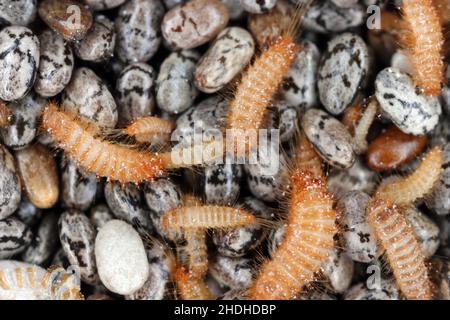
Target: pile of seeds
x,y
351,92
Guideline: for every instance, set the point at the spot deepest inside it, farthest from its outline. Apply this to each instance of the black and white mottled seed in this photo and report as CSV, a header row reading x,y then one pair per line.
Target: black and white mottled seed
x,y
19,62
386,290
175,90
439,199
411,112
88,96
77,236
55,66
235,273
100,215
28,213
23,126
134,88
15,236
78,187
339,270
98,44
258,6
138,27
17,12
103,4
343,71
10,185
329,137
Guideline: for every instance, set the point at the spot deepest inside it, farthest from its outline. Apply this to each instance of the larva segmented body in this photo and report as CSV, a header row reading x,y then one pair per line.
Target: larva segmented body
x,y
197,252
307,244
205,217
425,43
23,281
306,158
402,249
362,128
95,155
258,85
5,114
191,287
150,129
416,185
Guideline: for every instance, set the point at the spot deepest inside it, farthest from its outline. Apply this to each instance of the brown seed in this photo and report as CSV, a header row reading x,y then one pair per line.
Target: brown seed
x,y
194,23
5,114
267,27
69,18
351,117
394,148
37,169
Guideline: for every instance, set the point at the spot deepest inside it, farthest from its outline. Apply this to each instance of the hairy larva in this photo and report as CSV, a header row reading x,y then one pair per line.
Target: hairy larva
x,y
205,217
424,42
191,287
305,158
363,126
96,155
150,129
403,250
261,81
415,186
23,281
307,244
5,114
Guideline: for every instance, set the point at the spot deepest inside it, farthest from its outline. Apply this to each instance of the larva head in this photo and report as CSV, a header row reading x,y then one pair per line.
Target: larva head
x,y
63,284
378,211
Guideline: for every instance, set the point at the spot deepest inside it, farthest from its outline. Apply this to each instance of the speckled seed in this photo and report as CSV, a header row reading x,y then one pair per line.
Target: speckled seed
x,y
265,177
138,30
161,265
161,196
288,119
299,86
10,186
19,62
222,183
339,271
234,8
330,138
401,61
56,64
121,259
98,44
387,290
175,90
194,23
126,202
267,27
325,17
342,72
15,237
394,148
100,215
235,273
230,52
88,96
345,3
134,89
208,114
426,231
358,177
360,243
22,12
44,242
78,187
413,113
77,236
28,213
439,200
23,121
258,6
39,173
239,241
103,4
69,18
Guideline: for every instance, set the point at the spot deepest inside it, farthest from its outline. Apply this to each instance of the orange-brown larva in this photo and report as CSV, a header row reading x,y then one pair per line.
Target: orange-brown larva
x,y
96,155
308,242
306,158
5,114
150,129
205,217
403,251
197,251
191,287
362,128
424,42
405,191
